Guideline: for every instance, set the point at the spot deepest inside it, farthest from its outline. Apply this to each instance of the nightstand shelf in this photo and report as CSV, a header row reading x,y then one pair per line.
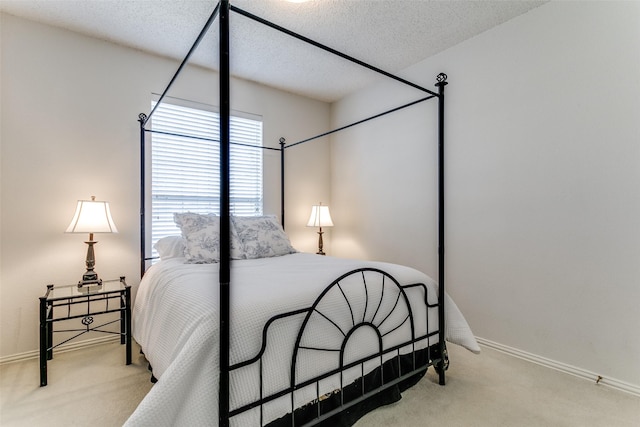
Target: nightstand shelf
x,y
63,303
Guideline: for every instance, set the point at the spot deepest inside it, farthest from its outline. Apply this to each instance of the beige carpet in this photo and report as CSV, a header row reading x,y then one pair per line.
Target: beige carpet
x,y
87,387
495,389
93,387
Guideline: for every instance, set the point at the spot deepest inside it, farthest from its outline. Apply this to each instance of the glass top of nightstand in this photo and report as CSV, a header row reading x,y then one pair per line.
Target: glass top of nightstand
x,y
72,291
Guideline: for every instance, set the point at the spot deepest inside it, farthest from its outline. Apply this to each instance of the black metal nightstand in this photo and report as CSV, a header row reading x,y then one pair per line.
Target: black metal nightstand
x,y
73,302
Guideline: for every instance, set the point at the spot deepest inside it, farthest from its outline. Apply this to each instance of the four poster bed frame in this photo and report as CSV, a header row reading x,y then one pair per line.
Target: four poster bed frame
x,y
437,356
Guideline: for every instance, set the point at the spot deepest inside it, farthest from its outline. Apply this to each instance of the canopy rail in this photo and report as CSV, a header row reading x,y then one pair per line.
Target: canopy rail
x,y
203,32
328,49
202,138
393,110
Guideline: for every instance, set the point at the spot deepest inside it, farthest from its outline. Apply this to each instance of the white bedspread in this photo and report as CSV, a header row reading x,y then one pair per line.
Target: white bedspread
x,y
175,320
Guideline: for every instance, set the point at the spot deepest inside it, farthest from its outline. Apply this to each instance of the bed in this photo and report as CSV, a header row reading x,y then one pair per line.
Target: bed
x,y
179,347
304,339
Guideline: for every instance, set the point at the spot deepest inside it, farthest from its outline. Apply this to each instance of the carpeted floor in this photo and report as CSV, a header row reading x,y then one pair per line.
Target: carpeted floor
x,y
495,389
87,387
93,387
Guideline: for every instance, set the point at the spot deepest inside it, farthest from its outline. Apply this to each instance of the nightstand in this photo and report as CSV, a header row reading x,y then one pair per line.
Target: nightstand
x,y
84,303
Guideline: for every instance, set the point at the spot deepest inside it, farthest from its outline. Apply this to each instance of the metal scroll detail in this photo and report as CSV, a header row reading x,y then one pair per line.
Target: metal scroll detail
x,y
442,77
87,320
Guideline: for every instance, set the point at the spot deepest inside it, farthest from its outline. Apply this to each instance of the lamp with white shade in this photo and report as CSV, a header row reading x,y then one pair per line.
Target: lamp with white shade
x,y
320,217
91,217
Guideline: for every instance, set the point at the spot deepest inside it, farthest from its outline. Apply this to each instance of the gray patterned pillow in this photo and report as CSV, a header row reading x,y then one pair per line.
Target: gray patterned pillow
x,y
201,234
262,237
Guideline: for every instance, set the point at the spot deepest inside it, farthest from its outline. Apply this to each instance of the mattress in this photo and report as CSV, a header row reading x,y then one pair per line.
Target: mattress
x,y
175,320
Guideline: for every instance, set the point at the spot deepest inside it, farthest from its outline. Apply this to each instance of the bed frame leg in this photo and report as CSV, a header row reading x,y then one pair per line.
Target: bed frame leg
x,y
442,365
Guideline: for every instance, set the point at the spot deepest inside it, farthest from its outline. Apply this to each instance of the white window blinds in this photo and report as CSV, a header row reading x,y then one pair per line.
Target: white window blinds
x,y
185,171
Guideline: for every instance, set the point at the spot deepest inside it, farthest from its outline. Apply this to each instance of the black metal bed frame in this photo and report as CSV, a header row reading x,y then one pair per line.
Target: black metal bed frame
x,y
438,357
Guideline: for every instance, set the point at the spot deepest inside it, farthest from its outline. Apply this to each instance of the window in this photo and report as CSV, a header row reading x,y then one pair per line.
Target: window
x,y
185,170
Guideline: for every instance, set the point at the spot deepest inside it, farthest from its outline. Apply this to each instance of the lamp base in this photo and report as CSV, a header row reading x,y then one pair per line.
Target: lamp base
x,y
90,278
320,243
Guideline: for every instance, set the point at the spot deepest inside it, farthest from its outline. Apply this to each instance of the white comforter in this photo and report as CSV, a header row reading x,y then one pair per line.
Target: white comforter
x,y
175,320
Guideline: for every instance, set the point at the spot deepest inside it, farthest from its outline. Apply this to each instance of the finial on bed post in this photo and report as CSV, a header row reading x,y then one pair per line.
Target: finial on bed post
x,y
282,141
442,79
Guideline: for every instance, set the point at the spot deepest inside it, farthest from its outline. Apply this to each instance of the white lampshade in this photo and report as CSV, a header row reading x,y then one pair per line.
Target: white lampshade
x,y
320,216
92,217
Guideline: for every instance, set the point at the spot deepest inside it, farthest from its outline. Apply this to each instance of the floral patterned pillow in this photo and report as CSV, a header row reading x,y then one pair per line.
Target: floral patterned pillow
x,y
262,237
201,234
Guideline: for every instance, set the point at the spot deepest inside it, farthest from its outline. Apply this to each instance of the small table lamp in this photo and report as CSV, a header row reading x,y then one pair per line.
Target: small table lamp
x,y
91,217
320,217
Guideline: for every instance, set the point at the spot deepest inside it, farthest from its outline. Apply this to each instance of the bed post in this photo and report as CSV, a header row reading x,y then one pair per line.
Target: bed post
x,y
225,240
442,82
282,141
142,118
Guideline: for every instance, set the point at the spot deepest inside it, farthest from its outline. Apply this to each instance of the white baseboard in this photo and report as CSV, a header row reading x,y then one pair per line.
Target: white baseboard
x,y
562,367
34,354
530,357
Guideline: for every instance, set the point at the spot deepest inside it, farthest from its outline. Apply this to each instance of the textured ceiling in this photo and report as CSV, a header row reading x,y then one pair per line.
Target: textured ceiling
x,y
389,34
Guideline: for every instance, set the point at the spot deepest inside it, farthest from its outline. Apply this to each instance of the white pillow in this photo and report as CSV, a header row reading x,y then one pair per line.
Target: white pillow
x,y
170,247
261,237
201,234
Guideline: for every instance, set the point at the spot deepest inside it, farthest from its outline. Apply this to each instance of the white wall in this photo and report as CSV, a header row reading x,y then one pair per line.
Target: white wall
x,y
543,183
69,130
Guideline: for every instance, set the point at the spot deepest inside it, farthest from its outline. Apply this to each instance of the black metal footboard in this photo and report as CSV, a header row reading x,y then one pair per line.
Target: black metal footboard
x,y
363,335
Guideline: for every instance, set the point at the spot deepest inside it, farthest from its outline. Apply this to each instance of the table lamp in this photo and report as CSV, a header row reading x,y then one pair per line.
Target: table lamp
x,y
91,217
320,217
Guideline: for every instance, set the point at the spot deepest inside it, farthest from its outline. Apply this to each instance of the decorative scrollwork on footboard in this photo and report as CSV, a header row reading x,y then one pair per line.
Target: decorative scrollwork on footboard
x,y
363,321
362,302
